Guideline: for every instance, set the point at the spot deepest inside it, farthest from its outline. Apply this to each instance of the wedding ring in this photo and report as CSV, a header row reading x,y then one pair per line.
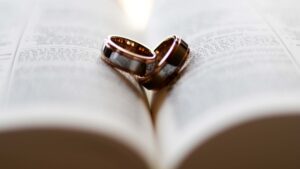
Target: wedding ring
x,y
171,55
128,55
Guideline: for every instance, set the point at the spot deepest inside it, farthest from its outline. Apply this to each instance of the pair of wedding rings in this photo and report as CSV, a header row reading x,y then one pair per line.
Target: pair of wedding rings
x,y
153,70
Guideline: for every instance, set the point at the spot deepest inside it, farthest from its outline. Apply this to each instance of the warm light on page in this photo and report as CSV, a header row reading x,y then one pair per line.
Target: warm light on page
x,y
137,12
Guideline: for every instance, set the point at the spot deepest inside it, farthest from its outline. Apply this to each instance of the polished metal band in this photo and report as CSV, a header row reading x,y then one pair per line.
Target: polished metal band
x,y
128,55
171,56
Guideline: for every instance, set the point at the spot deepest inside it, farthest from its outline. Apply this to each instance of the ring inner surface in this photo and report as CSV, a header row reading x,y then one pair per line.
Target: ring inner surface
x,y
163,48
132,46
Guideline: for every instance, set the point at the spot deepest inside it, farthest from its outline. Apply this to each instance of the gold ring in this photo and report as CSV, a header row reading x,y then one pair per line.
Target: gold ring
x,y
171,55
128,55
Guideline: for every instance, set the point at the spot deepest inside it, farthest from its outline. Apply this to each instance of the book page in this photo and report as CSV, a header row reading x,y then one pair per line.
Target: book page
x,y
284,18
12,19
240,69
55,77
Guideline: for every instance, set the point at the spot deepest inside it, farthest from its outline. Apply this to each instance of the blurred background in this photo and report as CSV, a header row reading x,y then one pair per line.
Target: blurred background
x,y
137,12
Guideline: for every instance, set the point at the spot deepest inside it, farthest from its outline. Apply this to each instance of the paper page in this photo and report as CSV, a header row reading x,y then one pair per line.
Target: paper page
x,y
239,70
57,77
12,21
284,18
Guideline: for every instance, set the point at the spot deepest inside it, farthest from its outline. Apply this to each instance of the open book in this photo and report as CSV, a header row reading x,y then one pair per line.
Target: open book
x,y
237,105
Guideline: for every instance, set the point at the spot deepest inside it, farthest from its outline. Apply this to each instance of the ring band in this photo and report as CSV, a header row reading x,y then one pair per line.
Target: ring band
x,y
128,55
171,56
